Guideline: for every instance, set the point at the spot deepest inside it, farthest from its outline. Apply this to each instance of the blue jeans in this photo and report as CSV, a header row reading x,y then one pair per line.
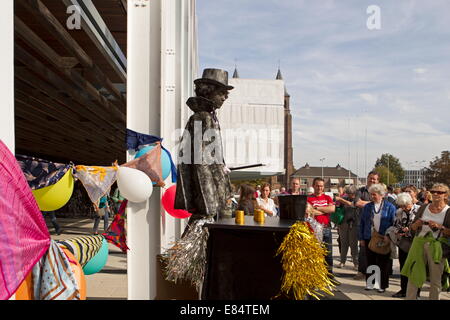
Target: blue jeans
x,y
328,241
105,221
53,221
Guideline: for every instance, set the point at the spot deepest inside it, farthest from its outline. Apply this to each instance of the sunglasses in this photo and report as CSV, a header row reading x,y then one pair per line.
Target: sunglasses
x,y
438,192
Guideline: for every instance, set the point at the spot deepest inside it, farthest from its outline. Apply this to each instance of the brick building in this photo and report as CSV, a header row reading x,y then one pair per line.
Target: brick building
x,y
334,177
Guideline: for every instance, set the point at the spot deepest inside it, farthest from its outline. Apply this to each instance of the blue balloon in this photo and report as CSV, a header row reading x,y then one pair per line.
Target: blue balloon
x,y
98,261
165,161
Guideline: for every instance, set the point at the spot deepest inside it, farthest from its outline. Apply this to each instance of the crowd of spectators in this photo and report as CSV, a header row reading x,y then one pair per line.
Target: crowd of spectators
x,y
380,223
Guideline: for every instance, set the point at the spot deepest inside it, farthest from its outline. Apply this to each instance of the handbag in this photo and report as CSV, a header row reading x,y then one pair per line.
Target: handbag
x,y
337,216
378,245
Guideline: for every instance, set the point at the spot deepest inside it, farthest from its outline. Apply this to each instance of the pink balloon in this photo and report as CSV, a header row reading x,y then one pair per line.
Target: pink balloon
x,y
168,202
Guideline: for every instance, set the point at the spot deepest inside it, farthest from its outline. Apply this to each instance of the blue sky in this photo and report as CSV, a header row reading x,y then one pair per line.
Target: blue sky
x,y
343,78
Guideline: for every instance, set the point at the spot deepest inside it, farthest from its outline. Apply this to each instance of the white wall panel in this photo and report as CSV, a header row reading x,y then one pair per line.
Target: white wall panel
x,y
7,74
250,120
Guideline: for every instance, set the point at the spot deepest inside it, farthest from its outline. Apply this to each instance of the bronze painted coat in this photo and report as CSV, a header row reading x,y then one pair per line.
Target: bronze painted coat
x,y
203,187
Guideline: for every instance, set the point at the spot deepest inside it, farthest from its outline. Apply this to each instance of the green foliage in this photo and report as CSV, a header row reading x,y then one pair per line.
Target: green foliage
x,y
393,164
439,170
253,183
386,176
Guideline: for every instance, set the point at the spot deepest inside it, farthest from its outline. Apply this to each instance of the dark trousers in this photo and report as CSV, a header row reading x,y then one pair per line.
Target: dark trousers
x,y
53,221
327,240
381,260
402,255
362,259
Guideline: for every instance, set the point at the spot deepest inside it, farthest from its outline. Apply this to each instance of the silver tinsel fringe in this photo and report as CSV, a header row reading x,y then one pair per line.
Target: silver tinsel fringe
x,y
317,227
186,260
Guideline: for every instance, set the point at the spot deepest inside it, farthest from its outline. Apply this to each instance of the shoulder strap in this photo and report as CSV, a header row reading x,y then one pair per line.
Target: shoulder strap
x,y
418,216
446,222
447,219
420,212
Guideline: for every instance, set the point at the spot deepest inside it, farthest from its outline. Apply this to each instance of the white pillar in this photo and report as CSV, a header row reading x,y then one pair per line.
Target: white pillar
x,y
170,226
143,115
7,74
7,77
160,47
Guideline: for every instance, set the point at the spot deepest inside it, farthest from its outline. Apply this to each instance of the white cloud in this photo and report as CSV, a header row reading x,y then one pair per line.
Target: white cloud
x,y
392,81
420,70
369,98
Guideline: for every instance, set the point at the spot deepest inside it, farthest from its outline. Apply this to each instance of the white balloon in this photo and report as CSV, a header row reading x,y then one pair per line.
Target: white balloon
x,y
134,185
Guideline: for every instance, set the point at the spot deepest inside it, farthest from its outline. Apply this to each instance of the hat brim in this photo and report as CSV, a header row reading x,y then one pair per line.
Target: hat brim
x,y
220,84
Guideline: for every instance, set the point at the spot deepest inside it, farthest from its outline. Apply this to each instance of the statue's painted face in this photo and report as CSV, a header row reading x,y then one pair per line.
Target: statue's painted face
x,y
219,96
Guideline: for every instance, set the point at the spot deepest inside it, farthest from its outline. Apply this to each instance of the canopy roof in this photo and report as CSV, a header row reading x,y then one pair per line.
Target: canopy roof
x,y
70,102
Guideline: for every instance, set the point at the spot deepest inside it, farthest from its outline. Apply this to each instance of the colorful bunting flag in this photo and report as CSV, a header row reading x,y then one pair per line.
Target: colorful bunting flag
x,y
41,173
53,278
83,248
150,163
135,139
96,180
116,233
24,236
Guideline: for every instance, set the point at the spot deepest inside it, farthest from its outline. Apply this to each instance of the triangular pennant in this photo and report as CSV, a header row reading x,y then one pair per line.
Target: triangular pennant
x,y
150,163
116,233
135,139
96,180
24,236
41,173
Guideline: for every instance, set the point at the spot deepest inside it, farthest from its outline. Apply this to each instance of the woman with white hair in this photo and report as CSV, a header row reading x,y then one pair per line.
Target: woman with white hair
x,y
402,225
430,248
377,216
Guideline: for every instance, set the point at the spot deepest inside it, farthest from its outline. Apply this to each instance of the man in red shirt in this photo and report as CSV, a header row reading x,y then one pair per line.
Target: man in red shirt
x,y
323,206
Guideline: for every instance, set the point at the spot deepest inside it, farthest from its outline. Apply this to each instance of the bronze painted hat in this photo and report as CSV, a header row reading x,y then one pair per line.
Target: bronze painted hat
x,y
215,76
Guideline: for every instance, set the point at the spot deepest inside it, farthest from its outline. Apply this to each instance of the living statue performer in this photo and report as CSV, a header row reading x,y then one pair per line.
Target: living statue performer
x,y
203,185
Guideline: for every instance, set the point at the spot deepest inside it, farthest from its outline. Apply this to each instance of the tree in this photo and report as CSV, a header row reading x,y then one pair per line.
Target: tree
x,y
393,164
384,173
439,170
237,183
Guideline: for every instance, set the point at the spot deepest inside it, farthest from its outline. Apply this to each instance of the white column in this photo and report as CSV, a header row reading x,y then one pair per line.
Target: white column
x,y
7,74
7,77
156,95
170,227
143,115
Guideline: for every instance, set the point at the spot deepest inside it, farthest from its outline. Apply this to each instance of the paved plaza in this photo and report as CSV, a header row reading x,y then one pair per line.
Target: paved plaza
x,y
111,282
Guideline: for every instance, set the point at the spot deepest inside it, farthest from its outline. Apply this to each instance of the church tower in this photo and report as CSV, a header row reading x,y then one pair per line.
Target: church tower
x,y
288,150
235,73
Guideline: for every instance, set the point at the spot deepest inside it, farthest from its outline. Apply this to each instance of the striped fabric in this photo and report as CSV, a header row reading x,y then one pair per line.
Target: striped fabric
x,y
83,248
24,237
53,278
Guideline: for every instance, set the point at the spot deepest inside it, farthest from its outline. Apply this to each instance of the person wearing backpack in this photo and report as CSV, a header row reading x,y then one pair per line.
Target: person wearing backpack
x,y
430,248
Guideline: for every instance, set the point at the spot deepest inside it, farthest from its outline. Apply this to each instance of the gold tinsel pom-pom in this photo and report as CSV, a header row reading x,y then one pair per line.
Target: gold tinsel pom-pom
x,y
304,267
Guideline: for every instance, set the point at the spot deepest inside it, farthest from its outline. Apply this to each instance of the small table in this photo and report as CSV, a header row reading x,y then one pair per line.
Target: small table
x,y
241,261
